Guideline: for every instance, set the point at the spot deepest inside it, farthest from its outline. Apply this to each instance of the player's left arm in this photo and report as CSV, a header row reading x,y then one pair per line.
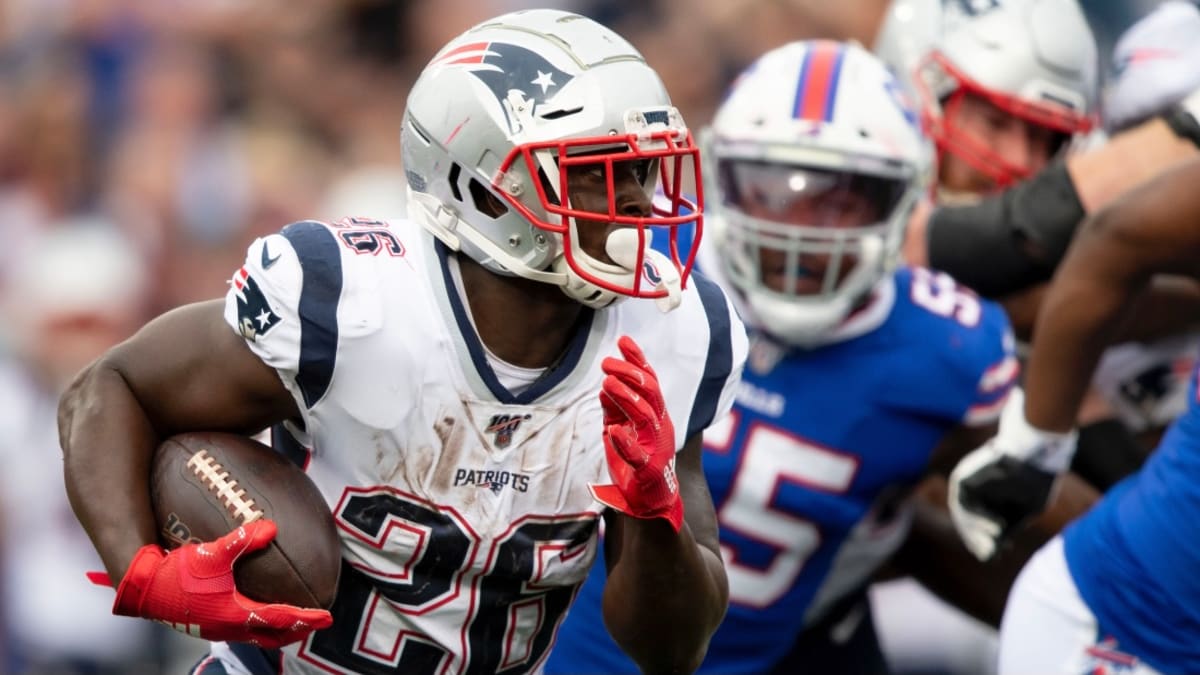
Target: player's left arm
x,y
667,591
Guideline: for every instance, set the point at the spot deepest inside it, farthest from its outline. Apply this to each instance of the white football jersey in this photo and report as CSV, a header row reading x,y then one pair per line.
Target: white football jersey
x,y
464,510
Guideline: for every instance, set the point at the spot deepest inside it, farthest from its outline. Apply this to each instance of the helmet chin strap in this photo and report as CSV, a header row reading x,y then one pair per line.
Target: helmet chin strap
x,y
443,223
622,246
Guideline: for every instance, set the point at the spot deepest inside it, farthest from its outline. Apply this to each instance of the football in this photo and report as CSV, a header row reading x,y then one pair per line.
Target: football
x,y
204,485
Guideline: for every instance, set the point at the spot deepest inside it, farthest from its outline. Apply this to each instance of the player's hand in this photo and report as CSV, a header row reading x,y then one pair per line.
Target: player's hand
x,y
191,589
1008,480
639,440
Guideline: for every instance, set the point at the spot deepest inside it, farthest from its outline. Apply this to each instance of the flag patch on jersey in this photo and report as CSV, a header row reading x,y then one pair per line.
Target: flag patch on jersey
x,y
255,316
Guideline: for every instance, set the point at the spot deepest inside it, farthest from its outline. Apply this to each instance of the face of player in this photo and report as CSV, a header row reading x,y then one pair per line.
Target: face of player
x,y
587,187
840,209
792,198
1018,142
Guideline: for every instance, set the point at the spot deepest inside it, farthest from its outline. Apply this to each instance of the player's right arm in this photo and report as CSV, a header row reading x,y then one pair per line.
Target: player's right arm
x,y
1152,230
1108,267
190,370
186,370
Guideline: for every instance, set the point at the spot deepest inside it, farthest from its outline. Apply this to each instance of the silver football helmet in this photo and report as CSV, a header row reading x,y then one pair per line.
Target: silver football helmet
x,y
1034,59
814,161
501,116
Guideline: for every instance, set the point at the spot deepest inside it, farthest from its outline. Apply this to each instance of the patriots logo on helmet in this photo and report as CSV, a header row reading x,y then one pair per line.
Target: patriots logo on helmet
x,y
506,68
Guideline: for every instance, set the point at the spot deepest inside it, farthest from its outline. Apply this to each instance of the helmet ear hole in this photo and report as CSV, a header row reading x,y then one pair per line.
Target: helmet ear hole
x,y
455,171
487,203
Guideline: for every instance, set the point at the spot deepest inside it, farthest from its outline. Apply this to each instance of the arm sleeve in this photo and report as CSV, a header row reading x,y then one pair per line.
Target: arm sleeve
x,y
993,389
959,362
1021,234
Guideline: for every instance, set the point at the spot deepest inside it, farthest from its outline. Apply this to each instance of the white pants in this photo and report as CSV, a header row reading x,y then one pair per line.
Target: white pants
x,y
918,632
1047,628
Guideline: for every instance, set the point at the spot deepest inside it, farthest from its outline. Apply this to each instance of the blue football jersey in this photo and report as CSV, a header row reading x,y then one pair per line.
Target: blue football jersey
x,y
1134,556
809,469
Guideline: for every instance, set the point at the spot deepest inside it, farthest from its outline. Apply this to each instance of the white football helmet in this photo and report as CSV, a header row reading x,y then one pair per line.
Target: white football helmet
x,y
505,111
1034,59
814,162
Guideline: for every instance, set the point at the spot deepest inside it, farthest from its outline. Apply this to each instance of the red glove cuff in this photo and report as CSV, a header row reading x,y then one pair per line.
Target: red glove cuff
x,y
611,496
136,581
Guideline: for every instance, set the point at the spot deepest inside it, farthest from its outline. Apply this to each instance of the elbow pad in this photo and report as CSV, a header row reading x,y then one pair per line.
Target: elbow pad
x,y
1009,241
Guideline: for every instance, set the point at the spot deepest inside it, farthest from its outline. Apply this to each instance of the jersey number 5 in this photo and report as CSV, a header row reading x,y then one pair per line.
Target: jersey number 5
x,y
941,295
770,459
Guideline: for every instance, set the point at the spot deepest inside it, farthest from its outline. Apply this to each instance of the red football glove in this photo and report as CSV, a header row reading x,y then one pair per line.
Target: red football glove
x,y
639,440
191,589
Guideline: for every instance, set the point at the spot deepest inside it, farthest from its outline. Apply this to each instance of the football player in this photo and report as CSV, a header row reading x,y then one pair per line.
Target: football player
x,y
1116,592
479,386
1023,232
1003,86
861,376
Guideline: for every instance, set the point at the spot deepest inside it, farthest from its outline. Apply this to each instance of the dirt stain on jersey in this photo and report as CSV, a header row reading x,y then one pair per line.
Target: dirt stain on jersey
x,y
448,457
553,481
388,461
417,465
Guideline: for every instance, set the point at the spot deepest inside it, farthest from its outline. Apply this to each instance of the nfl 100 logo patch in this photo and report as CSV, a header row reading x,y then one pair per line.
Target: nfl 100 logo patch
x,y
502,428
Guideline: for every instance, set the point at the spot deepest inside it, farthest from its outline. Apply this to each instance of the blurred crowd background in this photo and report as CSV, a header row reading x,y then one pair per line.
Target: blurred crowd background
x,y
145,143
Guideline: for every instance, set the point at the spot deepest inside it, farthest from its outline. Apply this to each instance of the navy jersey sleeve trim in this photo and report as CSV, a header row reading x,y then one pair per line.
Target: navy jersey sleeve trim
x,y
321,263
720,355
257,660
286,444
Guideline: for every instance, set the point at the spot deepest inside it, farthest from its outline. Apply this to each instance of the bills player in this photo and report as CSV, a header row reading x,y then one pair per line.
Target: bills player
x,y
479,386
861,377
1116,592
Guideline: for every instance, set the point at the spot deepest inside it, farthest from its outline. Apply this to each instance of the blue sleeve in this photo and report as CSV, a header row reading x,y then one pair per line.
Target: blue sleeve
x,y
963,363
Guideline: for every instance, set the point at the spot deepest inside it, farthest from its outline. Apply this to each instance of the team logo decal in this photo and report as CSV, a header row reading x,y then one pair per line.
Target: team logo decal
x,y
177,532
764,355
255,316
507,68
503,427
651,273
1104,659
